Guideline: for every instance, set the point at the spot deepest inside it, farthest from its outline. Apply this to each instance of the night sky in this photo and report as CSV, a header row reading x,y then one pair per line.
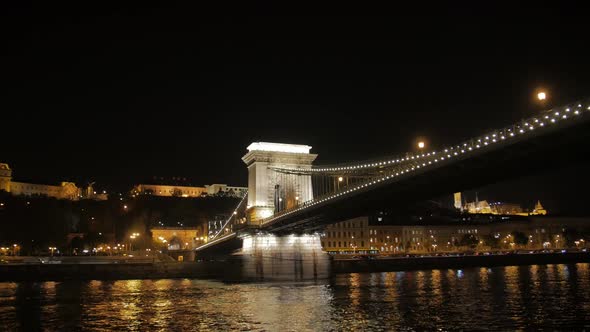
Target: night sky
x,y
117,95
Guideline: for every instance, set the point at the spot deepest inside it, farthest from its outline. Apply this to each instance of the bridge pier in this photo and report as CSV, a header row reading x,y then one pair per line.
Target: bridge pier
x,y
284,257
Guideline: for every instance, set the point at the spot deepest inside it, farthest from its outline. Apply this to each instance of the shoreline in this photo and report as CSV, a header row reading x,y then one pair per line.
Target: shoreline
x,y
456,262
233,269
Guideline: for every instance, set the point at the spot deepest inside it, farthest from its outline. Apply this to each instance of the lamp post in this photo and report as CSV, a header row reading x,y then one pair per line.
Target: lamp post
x,y
131,238
52,249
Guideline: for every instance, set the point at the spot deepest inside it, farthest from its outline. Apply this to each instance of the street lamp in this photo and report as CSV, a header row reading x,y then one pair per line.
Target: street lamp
x,y
421,145
541,95
52,249
132,237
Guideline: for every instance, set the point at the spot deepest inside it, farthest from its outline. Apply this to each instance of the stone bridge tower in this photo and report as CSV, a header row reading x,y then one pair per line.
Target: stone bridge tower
x,y
270,191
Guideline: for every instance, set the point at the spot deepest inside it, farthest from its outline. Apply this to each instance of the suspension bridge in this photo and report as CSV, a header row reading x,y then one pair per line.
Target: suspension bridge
x,y
289,196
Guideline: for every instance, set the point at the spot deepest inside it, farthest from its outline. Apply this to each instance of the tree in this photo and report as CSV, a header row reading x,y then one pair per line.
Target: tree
x,y
571,235
469,240
520,238
492,241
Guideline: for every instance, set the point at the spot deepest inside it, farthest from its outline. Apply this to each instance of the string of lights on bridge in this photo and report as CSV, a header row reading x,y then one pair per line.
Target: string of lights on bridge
x,y
424,160
229,219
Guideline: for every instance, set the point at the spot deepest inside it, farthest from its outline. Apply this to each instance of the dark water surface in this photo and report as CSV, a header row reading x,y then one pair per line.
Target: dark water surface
x,y
538,297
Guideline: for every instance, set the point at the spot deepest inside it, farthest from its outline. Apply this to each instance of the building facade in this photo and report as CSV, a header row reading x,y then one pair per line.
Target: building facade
x,y
499,208
534,232
189,191
179,238
66,190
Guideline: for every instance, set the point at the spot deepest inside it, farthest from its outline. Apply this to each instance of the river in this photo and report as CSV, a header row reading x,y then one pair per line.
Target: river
x,y
547,297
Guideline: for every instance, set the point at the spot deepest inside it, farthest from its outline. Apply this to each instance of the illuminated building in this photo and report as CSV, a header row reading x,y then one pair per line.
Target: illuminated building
x,y
478,207
189,191
539,210
458,203
364,233
351,234
497,208
506,208
179,238
66,190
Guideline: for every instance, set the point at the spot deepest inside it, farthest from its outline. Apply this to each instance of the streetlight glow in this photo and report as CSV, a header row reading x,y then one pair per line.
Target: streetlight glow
x,y
541,95
421,145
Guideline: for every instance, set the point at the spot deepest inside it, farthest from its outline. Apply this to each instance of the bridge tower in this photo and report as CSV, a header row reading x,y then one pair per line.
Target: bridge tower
x,y
270,192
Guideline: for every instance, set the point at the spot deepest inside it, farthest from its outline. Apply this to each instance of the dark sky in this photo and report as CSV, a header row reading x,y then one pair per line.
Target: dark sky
x,y
117,94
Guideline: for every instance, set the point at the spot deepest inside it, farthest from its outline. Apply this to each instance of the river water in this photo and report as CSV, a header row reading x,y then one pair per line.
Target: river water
x,y
538,297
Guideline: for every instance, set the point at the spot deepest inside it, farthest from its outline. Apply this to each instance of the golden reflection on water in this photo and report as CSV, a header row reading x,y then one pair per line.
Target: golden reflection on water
x,y
162,304
354,282
500,299
435,284
130,309
420,282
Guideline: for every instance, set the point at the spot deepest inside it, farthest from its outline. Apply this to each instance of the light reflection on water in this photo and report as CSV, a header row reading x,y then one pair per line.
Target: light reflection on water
x,y
554,297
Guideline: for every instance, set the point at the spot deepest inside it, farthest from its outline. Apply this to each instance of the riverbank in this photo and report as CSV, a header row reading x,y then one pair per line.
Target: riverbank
x,y
233,269
455,262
